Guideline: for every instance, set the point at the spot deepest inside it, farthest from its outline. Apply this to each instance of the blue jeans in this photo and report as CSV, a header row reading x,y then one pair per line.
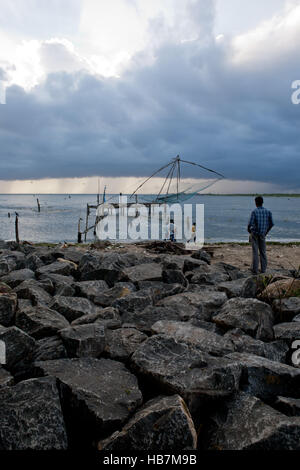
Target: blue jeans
x,y
259,245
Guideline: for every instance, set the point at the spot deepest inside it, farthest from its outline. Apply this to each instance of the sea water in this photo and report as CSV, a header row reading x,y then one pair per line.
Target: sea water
x,y
225,217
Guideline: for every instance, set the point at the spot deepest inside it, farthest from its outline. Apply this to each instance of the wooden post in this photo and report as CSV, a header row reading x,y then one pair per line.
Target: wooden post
x,y
79,240
17,228
86,221
38,204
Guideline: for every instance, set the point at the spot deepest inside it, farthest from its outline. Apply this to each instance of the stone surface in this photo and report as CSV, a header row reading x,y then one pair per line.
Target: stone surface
x,y
144,320
289,331
121,343
19,345
267,379
163,424
6,378
31,416
198,304
108,316
84,340
286,309
275,351
202,255
246,423
144,272
33,291
134,302
288,406
174,276
108,267
62,267
47,349
14,278
8,307
250,315
91,289
40,321
98,394
72,307
106,298
171,366
205,340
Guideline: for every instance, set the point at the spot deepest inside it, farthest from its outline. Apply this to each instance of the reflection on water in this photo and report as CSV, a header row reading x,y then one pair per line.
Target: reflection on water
x,y
226,217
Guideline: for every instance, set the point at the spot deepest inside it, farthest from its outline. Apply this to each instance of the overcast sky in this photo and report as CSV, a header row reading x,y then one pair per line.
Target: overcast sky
x,y
117,88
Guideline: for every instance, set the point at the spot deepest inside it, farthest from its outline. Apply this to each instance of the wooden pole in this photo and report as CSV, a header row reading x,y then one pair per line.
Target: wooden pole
x,y
79,240
17,228
86,221
38,204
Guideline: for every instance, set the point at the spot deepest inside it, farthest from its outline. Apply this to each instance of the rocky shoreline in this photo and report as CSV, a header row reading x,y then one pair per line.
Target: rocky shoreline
x,y
153,349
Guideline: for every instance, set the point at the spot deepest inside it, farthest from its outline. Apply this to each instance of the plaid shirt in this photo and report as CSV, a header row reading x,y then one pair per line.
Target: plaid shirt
x,y
261,221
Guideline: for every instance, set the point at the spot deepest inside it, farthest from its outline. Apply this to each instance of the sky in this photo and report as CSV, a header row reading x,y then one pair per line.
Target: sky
x,y
113,90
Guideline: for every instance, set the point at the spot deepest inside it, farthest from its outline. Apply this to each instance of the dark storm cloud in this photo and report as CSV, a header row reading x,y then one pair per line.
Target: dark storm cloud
x,y
191,101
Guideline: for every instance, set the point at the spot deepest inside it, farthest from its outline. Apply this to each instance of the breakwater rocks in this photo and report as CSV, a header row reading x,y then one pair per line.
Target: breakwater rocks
x,y
139,349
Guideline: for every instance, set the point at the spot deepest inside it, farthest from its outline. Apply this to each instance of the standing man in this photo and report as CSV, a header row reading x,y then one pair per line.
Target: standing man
x,y
259,225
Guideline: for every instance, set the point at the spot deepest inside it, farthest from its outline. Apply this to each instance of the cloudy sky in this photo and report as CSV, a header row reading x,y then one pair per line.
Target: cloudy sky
x,y
116,89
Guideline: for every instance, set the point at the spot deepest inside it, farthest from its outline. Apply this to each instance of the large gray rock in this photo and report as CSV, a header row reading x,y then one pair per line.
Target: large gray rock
x,y
134,302
89,264
288,332
40,321
107,298
240,287
174,276
108,268
275,351
84,340
163,424
288,406
144,272
175,367
47,349
250,315
121,343
108,316
232,271
72,308
205,340
8,307
202,255
33,291
31,416
91,289
267,379
286,309
62,267
19,345
200,304
6,378
98,394
33,262
144,320
246,423
14,278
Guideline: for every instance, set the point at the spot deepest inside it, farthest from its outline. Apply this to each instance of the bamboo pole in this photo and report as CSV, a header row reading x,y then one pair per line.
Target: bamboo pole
x,y
86,221
17,228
